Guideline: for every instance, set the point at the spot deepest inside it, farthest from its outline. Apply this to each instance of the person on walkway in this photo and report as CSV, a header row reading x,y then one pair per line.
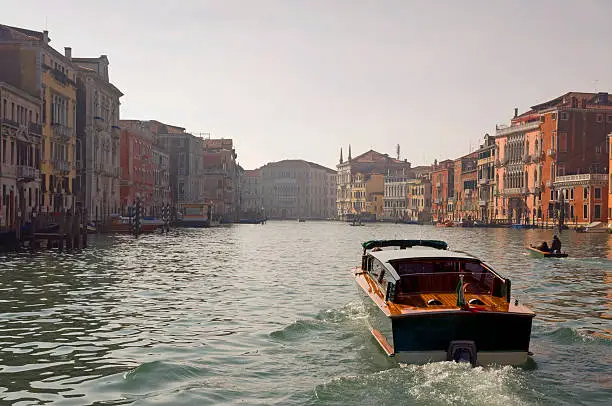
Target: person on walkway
x,y
555,246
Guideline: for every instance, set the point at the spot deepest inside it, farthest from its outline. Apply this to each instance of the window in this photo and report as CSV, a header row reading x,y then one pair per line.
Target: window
x,y
585,212
599,118
563,142
598,150
609,118
585,192
597,211
564,116
552,195
597,193
561,170
572,195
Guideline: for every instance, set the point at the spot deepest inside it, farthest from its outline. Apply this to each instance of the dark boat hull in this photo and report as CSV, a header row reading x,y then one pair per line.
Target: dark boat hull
x,y
499,338
545,254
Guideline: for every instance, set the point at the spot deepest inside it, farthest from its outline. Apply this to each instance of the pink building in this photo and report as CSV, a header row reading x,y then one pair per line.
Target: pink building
x,y
137,166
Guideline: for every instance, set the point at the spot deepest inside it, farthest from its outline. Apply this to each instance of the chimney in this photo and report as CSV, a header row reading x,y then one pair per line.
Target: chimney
x,y
515,112
68,53
46,36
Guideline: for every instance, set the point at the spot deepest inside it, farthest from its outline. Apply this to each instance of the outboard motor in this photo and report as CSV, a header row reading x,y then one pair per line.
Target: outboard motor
x,y
462,351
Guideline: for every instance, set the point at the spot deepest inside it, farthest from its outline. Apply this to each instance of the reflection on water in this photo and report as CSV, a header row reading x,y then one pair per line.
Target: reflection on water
x,y
269,315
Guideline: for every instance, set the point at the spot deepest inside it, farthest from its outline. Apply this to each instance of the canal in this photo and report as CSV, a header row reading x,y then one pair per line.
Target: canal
x,y
270,315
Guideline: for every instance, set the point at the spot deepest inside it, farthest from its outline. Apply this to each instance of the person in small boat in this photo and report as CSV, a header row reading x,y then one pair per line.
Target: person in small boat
x,y
555,245
543,246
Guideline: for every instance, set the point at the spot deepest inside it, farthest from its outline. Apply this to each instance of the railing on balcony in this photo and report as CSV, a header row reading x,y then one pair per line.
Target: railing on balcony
x,y
437,201
60,130
26,172
99,123
505,161
12,123
482,202
35,128
551,153
526,159
548,183
523,190
582,178
483,181
497,163
512,191
61,165
116,131
535,158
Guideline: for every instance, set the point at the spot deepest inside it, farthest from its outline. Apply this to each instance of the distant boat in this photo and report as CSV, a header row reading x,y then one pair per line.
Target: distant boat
x,y
594,227
302,220
523,226
546,254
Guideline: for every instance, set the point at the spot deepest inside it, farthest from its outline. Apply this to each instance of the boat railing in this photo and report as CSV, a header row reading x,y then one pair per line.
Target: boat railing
x,y
481,283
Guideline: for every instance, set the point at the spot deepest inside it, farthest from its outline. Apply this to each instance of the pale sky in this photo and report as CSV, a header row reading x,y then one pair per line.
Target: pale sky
x,y
300,79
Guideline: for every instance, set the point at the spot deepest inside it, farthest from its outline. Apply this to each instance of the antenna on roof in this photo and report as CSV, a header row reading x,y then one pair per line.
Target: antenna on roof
x,y
397,151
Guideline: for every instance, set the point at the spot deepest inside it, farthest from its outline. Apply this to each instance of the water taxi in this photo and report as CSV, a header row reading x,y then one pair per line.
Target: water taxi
x,y
427,303
197,215
546,254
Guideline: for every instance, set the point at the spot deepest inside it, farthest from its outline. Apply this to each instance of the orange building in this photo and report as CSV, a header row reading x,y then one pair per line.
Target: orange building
x,y
610,183
442,190
465,187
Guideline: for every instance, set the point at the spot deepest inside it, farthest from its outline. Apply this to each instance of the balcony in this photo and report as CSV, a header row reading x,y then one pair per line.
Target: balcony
x,y
60,130
99,124
438,185
437,201
483,181
526,159
61,165
482,203
535,158
505,161
27,173
35,128
582,179
548,183
523,190
498,163
551,153
11,123
116,132
512,191
517,128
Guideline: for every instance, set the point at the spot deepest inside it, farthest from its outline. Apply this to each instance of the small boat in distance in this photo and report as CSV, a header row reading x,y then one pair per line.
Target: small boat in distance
x,y
302,220
594,227
546,254
427,303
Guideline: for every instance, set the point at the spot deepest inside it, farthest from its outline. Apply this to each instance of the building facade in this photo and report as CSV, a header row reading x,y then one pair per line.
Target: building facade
x,y
161,177
137,170
251,195
29,63
221,177
442,190
98,138
297,189
465,202
419,199
20,153
370,162
486,179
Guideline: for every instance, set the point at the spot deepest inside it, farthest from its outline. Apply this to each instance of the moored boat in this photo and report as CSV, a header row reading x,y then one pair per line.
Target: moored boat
x,y
428,303
546,254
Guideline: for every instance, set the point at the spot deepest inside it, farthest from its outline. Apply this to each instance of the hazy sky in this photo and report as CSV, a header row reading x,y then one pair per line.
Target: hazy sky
x,y
300,79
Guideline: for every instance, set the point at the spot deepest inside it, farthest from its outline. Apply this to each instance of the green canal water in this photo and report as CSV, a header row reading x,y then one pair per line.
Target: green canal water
x,y
261,315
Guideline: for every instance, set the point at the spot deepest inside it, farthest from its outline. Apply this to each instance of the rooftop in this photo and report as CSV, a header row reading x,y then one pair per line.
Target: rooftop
x,y
418,252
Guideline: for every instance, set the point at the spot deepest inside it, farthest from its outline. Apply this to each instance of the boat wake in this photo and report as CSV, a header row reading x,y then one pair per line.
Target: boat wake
x,y
324,320
566,335
441,383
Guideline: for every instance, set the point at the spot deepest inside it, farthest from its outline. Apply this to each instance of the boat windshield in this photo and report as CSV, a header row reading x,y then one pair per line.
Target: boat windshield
x,y
442,276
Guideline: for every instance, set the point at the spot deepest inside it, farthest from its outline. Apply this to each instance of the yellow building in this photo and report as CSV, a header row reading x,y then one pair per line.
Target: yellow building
x,y
32,65
367,195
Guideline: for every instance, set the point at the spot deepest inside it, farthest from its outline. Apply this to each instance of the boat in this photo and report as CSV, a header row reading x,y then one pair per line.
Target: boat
x,y
594,227
546,254
523,226
252,221
197,215
445,223
427,303
302,220
356,223
121,225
